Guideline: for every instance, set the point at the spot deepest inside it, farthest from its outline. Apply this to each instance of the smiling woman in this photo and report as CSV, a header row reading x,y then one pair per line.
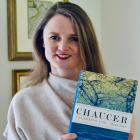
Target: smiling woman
x,y
64,43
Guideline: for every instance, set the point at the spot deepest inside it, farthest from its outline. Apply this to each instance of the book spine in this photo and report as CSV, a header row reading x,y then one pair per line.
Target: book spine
x,y
75,99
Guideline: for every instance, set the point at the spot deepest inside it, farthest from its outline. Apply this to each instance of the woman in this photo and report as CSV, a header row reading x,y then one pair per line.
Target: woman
x,y
64,43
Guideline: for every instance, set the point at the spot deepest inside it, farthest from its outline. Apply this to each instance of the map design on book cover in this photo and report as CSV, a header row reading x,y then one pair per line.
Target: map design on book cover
x,y
103,107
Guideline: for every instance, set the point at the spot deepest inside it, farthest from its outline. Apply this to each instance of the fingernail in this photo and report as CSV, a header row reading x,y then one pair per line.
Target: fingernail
x,y
74,136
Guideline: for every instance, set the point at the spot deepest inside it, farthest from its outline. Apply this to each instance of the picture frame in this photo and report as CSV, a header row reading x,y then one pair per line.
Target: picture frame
x,y
19,43
19,77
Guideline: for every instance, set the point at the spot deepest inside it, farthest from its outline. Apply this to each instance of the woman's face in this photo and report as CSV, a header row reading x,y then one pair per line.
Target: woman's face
x,y
61,46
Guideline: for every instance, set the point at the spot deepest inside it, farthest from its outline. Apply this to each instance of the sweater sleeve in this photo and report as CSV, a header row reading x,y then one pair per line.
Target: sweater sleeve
x,y
12,131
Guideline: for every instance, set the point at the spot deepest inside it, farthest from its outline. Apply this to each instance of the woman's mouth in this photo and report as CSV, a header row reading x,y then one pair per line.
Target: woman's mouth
x,y
63,56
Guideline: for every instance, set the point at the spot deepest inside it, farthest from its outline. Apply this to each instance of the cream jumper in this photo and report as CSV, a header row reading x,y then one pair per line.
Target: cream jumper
x,y
41,112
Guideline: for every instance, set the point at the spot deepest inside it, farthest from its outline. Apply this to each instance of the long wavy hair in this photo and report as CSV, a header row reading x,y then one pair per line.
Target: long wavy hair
x,y
89,48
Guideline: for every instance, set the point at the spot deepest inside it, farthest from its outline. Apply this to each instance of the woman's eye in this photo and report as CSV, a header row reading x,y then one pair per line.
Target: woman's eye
x,y
74,39
55,38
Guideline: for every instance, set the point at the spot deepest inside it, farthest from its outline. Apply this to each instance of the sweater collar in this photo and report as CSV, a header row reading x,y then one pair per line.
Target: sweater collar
x,y
59,83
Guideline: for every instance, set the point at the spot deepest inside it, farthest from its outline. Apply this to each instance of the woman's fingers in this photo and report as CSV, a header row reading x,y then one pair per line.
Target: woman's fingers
x,y
130,136
70,136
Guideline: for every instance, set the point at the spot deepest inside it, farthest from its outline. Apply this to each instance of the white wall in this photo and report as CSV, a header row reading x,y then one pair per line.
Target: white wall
x,y
121,40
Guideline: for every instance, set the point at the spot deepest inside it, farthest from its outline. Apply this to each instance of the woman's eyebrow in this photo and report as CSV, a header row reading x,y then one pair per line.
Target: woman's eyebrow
x,y
54,33
73,35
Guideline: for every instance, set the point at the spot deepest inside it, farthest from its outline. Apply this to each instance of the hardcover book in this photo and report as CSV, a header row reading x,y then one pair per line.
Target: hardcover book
x,y
103,107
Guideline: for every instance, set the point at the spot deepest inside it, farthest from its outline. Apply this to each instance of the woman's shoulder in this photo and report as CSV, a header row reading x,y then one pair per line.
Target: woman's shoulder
x,y
29,93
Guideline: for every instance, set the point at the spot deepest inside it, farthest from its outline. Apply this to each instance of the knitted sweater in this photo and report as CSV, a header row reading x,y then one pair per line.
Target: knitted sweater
x,y
41,112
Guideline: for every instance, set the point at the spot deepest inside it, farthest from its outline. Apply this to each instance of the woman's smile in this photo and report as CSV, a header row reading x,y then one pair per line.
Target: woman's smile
x,y
63,56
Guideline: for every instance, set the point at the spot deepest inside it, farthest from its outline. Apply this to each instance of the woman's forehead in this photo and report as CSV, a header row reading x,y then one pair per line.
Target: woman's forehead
x,y
60,24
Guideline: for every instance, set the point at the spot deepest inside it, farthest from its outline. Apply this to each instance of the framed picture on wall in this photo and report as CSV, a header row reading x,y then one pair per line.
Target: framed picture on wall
x,y
19,78
23,17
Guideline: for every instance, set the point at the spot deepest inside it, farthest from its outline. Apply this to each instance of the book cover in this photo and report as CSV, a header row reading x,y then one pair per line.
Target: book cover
x,y
103,107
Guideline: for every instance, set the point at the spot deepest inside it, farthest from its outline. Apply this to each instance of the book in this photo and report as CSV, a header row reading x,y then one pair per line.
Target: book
x,y
103,107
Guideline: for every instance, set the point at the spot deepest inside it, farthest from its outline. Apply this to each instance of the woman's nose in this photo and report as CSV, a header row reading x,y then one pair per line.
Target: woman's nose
x,y
63,45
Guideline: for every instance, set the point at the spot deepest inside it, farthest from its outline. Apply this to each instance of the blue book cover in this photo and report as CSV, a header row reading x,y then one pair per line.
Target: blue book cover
x,y
103,107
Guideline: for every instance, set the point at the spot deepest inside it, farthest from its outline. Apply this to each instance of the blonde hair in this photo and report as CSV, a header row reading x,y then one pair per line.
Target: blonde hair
x,y
89,48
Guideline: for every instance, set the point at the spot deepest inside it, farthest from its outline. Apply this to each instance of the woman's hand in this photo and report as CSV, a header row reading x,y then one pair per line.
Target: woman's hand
x,y
70,136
